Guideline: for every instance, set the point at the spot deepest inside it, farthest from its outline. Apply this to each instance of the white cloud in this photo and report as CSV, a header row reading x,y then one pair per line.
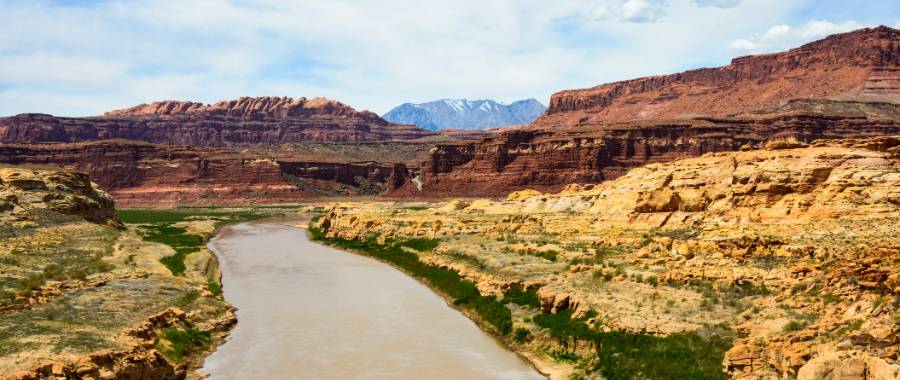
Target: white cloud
x,y
743,44
84,60
631,11
717,3
781,37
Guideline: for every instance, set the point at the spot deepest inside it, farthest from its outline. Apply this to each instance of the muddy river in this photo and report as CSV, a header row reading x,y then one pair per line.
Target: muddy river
x,y
307,311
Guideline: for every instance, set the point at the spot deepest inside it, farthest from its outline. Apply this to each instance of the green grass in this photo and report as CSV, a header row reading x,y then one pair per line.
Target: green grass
x,y
156,226
175,237
144,216
464,293
182,342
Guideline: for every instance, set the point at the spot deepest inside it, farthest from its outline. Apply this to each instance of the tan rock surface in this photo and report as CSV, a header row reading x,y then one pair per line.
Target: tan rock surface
x,y
795,248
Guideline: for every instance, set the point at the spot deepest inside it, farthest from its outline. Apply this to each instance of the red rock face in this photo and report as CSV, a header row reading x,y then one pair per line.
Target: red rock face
x,y
548,159
860,65
149,175
246,121
844,86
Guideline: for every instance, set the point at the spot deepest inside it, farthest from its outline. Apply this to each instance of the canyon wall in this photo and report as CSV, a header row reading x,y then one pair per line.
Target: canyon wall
x,y
143,174
843,86
863,64
246,121
548,159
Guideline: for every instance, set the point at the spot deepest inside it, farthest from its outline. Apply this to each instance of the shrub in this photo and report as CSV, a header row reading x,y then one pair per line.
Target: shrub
x,y
177,343
794,325
625,355
517,295
521,335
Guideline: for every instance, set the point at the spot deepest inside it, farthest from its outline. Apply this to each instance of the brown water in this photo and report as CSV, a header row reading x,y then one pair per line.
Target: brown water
x,y
307,311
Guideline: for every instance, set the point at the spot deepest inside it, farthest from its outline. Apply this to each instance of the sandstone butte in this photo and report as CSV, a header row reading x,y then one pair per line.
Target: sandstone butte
x,y
794,247
843,86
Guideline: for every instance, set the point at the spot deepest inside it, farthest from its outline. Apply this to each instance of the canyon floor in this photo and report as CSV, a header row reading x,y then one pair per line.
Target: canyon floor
x,y
761,264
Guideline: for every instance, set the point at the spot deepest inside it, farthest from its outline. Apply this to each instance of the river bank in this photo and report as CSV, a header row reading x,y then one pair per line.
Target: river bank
x,y
552,369
305,307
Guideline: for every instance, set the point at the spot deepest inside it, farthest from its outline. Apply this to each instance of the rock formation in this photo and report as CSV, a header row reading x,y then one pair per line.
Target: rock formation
x,y
864,64
844,86
142,174
548,159
246,121
792,245
71,193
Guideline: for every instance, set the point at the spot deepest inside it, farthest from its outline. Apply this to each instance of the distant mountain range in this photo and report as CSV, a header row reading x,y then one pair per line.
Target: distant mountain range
x,y
465,114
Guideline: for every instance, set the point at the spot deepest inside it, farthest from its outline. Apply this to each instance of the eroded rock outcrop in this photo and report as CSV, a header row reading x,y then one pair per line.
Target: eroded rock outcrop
x,y
71,193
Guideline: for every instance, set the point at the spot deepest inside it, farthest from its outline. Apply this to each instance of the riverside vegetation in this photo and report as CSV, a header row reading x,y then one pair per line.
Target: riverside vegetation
x,y
779,262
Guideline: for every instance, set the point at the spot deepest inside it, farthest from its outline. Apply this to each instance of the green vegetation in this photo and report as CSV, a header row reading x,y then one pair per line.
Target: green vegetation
x,y
143,216
517,295
625,355
521,335
732,296
26,267
794,325
675,234
464,293
472,260
157,226
175,237
600,255
213,286
566,329
177,343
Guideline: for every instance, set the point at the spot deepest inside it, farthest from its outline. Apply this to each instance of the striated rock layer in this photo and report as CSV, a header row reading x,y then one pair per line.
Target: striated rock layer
x,y
794,247
864,64
142,174
548,159
246,121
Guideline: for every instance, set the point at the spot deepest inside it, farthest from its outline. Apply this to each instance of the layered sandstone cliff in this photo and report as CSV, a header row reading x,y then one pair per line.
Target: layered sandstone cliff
x,y
550,158
863,64
142,174
246,121
795,247
844,86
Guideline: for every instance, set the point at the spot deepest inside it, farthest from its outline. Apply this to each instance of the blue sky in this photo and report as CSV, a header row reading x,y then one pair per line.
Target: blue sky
x,y
79,58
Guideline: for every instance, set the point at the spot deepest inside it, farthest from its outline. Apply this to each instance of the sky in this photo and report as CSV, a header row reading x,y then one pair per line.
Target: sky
x,y
82,58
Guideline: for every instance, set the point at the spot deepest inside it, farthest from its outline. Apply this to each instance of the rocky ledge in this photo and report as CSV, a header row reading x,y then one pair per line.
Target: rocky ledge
x,y
792,248
24,190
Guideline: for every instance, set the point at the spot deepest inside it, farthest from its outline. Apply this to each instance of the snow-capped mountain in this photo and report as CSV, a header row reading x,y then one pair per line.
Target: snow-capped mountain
x,y
465,114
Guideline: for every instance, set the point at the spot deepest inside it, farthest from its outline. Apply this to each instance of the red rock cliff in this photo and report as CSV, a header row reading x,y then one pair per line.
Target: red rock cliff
x,y
150,175
863,64
548,159
246,121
